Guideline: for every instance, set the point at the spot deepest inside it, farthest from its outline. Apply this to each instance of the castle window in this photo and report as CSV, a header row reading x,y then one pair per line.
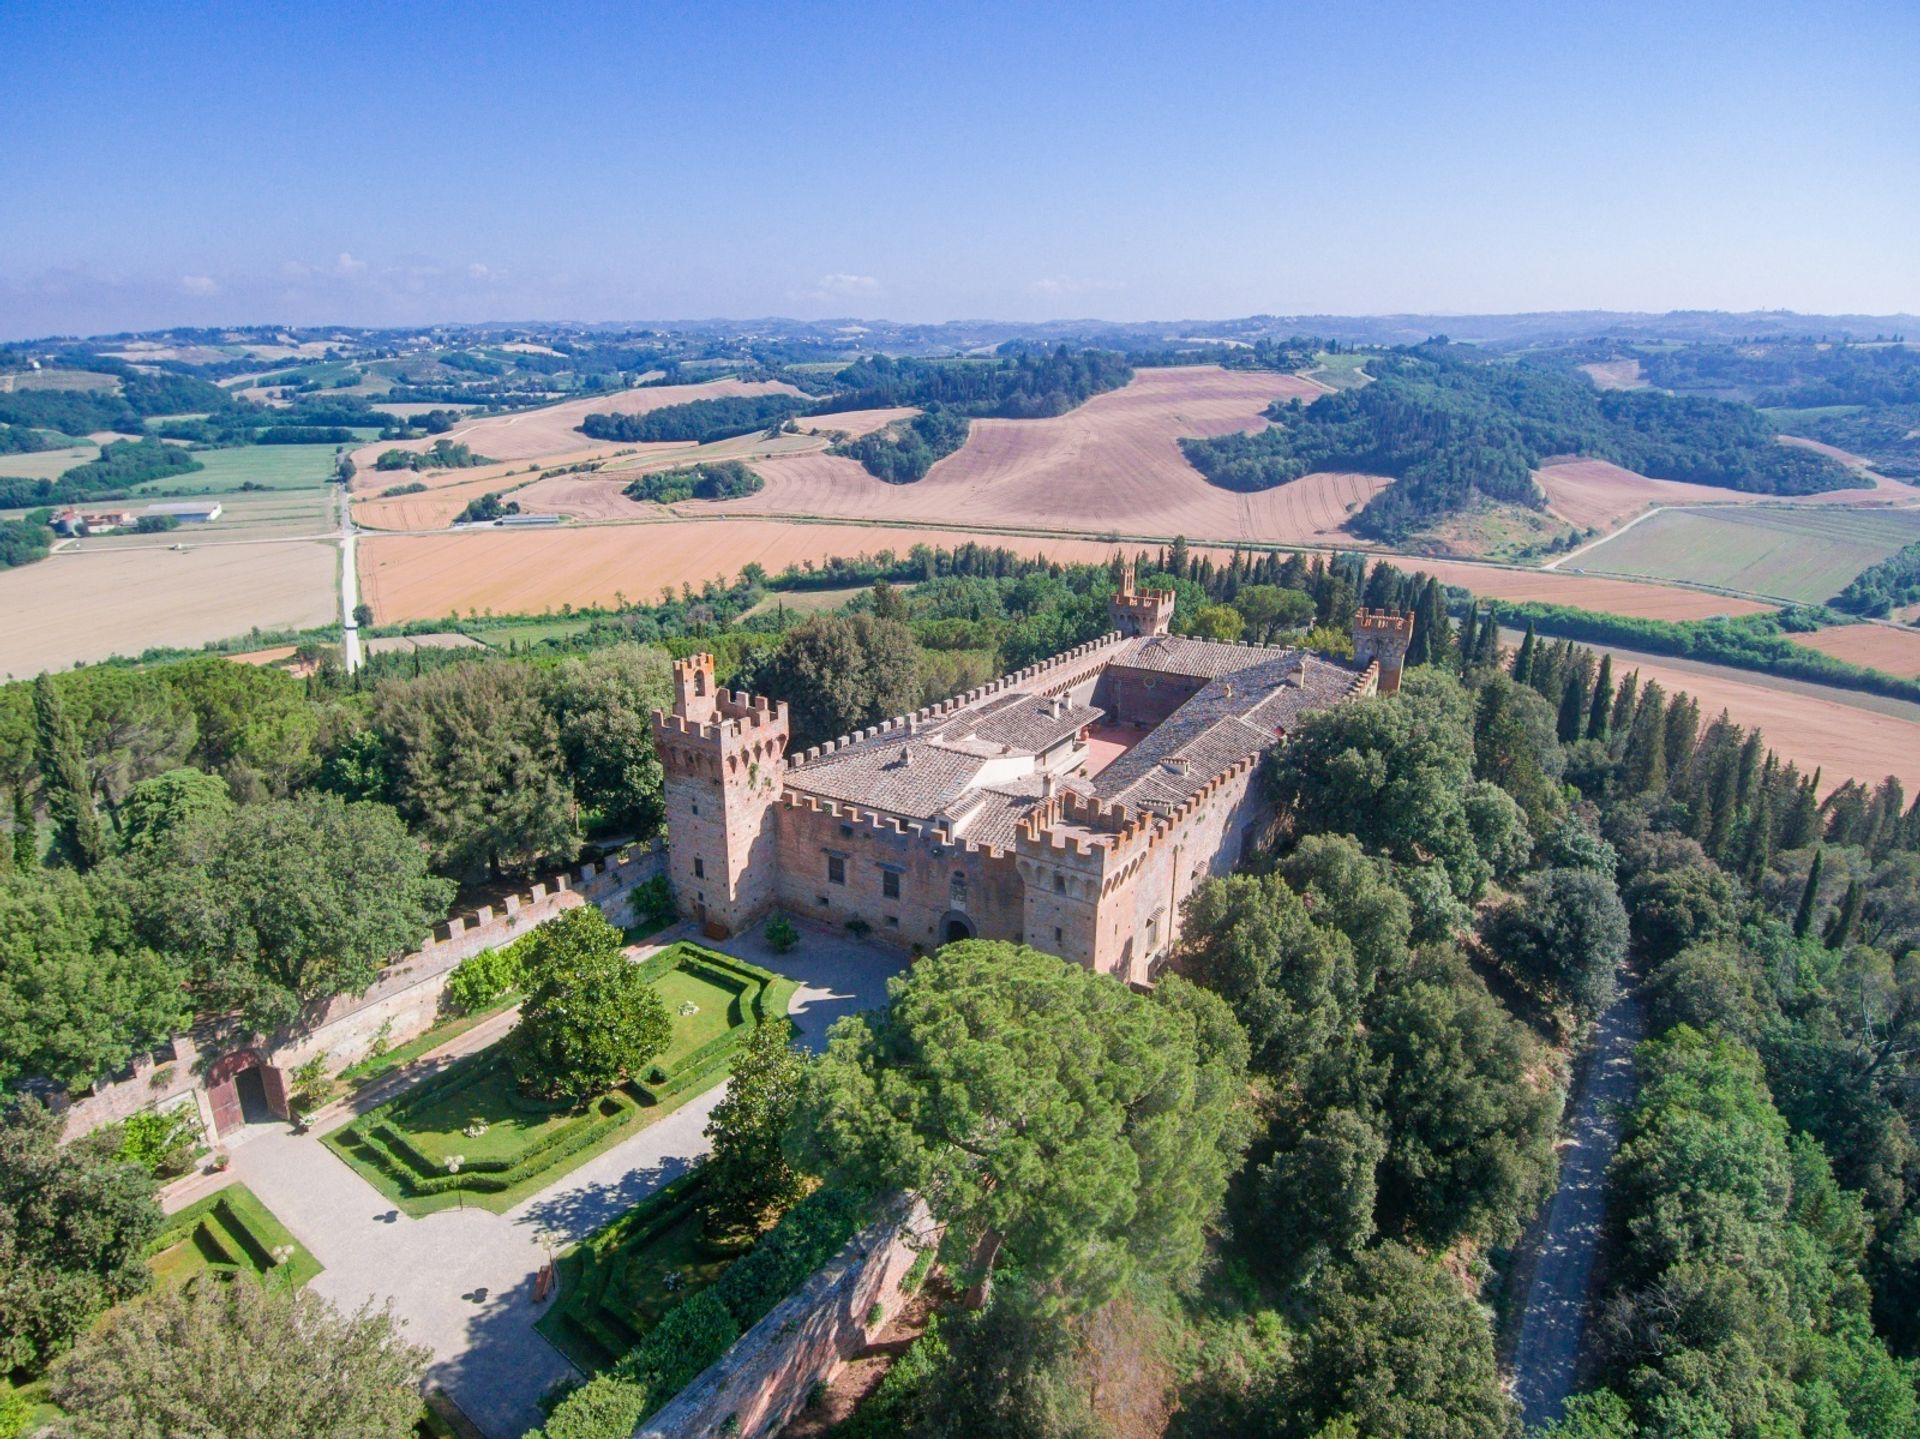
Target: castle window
x,y
1059,935
836,869
699,867
820,899
893,921
696,806
1059,884
957,890
890,883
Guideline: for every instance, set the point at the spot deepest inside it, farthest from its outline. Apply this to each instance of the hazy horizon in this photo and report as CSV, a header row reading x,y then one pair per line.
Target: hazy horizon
x,y
226,165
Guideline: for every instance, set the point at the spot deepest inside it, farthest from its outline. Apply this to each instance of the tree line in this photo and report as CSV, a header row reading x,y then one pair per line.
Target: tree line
x,y
720,480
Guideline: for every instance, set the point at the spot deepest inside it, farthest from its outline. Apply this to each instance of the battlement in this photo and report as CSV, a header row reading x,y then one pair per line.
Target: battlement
x,y
1050,677
890,826
1140,612
725,721
1381,638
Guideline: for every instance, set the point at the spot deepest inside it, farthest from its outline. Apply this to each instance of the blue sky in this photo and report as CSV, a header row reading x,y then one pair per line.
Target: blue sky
x,y
183,164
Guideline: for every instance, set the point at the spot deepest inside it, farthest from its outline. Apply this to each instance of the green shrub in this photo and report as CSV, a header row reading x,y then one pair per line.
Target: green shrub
x,y
651,904
688,1338
603,1408
780,933
479,980
810,1234
161,1144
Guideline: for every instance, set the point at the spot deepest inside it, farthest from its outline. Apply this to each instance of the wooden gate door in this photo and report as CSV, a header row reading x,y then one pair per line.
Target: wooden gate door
x,y
225,1098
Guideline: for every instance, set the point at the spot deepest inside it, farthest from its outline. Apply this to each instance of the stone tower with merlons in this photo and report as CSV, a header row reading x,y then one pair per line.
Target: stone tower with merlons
x,y
1140,612
724,755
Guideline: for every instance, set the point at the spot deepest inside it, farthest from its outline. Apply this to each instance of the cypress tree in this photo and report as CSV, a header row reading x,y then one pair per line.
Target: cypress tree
x,y
1572,706
1469,635
1844,923
1523,662
26,837
1809,896
1646,751
63,779
1623,706
1759,855
1486,649
1602,698
1434,620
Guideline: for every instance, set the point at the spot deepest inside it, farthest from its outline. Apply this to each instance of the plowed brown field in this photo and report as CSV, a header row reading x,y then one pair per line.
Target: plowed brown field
x,y
519,571
1598,495
1879,647
538,434
1845,740
1112,465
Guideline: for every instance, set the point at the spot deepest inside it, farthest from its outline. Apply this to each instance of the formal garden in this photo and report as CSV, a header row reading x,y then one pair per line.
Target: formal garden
x,y
230,1232
499,1125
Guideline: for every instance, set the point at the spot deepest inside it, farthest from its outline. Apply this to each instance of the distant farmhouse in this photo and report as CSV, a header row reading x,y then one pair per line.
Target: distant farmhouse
x,y
1073,805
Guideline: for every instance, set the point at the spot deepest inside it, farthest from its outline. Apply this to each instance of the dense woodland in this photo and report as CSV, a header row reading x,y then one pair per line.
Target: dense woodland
x,y
903,452
1454,427
723,480
1882,588
1289,1203
1026,386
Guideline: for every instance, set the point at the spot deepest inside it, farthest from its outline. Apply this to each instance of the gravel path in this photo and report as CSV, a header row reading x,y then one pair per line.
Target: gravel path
x,y
463,1279
1553,1326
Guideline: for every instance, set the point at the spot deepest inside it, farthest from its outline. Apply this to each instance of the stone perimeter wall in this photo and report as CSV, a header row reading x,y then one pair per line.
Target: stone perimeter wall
x,y
404,1001
766,1377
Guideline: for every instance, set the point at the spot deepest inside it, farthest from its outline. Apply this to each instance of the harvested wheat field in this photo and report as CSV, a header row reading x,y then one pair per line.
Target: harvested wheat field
x,y
537,434
1646,600
1845,740
1112,465
854,422
80,606
1597,494
407,577
1878,647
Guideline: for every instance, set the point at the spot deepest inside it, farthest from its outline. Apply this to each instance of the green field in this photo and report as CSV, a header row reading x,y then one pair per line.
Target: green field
x,y
47,464
277,467
1788,421
1805,555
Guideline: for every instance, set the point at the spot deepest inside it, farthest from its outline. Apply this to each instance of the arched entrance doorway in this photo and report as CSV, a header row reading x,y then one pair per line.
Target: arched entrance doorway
x,y
955,927
243,1089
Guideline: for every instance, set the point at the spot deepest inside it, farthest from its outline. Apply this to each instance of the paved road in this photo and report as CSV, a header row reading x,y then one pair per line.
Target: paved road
x,y
463,1279
1554,1323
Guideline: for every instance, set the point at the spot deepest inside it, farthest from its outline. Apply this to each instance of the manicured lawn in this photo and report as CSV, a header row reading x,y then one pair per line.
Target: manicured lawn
x,y
618,1283
511,1146
715,1005
228,1232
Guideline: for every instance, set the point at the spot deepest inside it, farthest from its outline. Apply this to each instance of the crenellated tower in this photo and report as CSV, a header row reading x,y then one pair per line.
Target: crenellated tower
x,y
1383,635
724,757
1140,612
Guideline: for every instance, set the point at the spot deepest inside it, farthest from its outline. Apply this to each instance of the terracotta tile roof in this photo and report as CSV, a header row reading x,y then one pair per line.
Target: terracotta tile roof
x,y
1181,655
1230,718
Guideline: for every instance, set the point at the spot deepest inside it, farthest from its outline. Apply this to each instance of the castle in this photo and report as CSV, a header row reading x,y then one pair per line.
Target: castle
x,y
1072,805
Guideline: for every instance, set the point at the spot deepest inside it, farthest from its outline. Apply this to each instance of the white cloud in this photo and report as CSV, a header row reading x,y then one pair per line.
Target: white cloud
x,y
478,271
199,285
847,285
348,266
1054,286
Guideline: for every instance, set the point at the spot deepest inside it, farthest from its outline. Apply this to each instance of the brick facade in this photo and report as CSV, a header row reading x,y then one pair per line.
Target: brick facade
x,y
983,815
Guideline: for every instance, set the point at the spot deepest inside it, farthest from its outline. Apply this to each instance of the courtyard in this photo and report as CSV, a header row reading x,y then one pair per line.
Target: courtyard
x,y
462,1276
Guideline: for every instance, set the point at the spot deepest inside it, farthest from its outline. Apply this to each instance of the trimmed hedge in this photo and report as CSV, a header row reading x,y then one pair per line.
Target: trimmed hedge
x,y
233,1231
